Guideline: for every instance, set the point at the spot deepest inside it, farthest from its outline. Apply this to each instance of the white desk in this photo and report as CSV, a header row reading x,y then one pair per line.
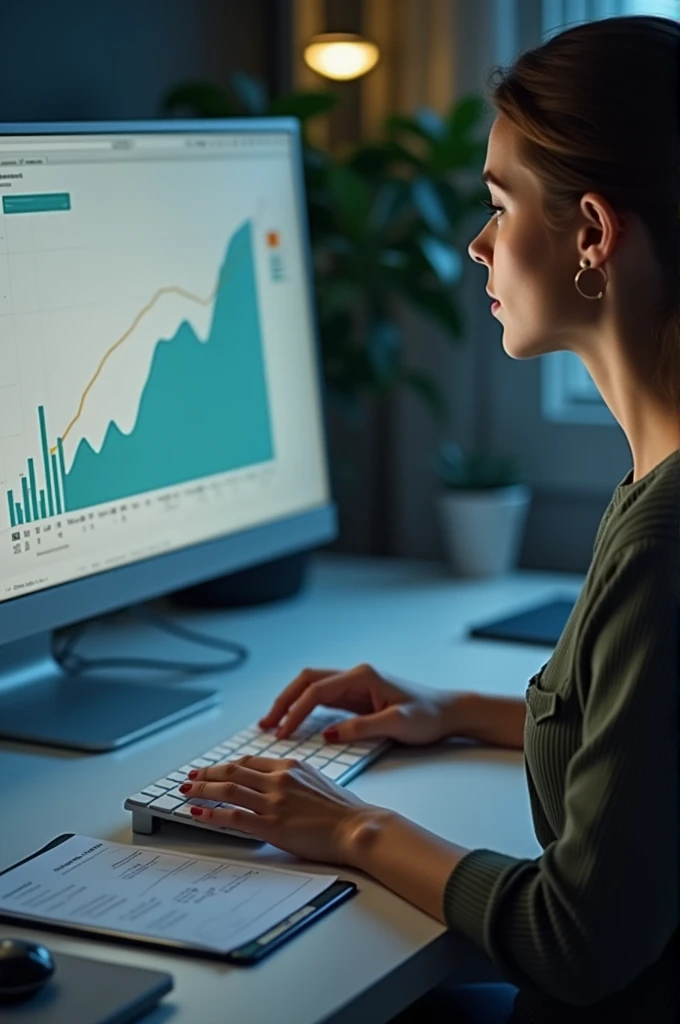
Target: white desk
x,y
371,957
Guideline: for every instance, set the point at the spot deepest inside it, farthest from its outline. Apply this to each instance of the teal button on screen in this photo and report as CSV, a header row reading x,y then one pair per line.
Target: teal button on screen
x,y
39,202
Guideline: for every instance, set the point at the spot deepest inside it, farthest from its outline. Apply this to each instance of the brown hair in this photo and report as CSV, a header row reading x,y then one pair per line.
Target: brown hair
x,y
596,109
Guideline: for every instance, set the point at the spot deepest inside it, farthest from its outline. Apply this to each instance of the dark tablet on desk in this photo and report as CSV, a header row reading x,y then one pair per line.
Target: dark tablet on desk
x,y
84,991
540,624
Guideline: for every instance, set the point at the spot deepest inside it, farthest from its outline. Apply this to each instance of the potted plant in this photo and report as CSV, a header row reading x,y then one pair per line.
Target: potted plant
x,y
482,508
385,217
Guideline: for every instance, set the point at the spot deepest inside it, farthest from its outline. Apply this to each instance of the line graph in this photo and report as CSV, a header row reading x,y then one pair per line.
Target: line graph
x,y
167,290
203,409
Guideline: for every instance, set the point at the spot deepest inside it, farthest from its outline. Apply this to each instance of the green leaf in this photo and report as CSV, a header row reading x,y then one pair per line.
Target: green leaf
x,y
391,199
204,99
303,105
475,469
430,206
352,199
439,306
428,391
466,114
425,123
377,159
337,296
251,93
444,260
384,347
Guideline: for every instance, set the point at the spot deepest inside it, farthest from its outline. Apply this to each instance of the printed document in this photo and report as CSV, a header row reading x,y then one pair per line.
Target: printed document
x,y
204,902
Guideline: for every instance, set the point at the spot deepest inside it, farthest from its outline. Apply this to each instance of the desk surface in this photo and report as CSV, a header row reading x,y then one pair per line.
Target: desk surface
x,y
377,953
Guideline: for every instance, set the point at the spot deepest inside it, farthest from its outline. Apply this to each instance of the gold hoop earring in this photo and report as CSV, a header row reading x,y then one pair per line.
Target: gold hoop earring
x,y
585,265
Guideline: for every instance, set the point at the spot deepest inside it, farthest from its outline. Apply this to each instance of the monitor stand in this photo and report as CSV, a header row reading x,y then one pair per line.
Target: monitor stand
x,y
40,703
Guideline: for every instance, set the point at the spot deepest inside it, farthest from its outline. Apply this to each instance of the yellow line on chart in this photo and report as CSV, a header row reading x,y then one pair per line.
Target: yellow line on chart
x,y
161,291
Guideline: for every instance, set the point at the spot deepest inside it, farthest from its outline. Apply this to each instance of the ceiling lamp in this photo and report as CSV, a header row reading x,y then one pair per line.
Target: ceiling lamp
x,y
341,55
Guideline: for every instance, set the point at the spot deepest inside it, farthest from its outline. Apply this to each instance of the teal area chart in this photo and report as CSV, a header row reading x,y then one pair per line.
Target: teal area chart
x,y
204,408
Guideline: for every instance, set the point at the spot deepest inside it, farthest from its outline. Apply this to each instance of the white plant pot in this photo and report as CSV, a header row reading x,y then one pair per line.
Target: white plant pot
x,y
483,529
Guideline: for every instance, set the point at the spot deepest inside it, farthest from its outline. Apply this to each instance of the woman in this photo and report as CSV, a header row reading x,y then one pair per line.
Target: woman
x,y
582,252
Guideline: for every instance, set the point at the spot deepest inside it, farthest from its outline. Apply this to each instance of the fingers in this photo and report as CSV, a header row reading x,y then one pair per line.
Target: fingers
x,y
235,783
227,793
381,723
324,692
250,789
250,770
291,694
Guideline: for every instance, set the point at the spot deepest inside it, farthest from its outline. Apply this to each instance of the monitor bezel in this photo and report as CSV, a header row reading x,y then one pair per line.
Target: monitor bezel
x,y
111,589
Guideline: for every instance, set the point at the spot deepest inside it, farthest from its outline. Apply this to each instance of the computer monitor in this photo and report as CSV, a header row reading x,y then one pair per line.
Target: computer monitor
x,y
161,413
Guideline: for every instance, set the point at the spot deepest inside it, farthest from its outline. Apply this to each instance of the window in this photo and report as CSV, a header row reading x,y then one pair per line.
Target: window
x,y
568,392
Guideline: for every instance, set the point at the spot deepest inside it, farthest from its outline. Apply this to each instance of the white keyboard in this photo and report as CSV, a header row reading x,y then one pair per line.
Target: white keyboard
x,y
161,800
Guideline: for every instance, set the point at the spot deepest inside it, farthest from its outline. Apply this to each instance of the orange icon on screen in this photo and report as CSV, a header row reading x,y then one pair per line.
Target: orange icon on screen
x,y
273,239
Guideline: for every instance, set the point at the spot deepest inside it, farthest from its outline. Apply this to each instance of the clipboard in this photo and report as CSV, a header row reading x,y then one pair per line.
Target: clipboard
x,y
251,953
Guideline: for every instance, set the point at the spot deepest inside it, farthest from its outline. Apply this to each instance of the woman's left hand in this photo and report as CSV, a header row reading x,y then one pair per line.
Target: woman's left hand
x,y
287,803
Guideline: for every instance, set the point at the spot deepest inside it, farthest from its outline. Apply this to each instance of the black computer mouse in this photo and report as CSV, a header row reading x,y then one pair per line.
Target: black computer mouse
x,y
24,969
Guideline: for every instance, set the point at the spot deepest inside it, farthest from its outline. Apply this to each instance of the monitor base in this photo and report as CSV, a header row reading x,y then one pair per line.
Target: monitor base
x,y
39,703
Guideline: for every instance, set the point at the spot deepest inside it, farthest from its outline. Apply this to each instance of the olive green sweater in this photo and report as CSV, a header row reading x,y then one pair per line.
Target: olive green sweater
x,y
588,931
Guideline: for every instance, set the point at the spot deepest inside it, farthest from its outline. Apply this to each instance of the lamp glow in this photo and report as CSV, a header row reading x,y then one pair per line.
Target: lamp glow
x,y
341,55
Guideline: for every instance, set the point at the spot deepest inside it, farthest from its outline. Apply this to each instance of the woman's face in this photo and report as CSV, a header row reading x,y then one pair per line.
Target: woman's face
x,y
531,270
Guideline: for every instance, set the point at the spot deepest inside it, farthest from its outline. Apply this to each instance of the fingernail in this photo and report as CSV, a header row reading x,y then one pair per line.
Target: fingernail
x,y
331,734
197,811
186,787
193,774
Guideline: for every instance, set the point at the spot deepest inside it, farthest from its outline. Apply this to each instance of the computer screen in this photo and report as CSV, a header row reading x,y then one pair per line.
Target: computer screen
x,y
158,371
161,404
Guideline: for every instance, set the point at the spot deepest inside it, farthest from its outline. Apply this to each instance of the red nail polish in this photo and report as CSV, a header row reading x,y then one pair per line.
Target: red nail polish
x,y
185,787
331,734
197,811
193,774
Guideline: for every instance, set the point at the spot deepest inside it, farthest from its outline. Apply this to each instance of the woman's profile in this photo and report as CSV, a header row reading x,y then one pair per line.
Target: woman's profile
x,y
583,253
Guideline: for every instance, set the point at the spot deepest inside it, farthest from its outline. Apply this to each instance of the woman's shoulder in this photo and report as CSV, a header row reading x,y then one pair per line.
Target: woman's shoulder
x,y
646,512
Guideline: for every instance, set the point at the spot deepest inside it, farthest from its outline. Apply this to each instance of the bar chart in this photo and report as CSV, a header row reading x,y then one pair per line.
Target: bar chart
x,y
39,503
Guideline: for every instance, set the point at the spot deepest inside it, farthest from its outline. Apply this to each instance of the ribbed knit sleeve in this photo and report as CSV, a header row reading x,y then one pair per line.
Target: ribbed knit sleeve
x,y
600,904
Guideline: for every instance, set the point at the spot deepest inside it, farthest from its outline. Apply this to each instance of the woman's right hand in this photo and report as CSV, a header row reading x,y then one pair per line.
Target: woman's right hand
x,y
383,705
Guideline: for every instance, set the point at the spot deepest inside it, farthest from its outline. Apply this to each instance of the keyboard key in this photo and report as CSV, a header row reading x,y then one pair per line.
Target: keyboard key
x,y
177,794
250,751
184,811
201,762
331,752
305,749
318,762
348,758
262,741
212,755
287,744
154,790
141,799
165,803
177,776
164,783
333,770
